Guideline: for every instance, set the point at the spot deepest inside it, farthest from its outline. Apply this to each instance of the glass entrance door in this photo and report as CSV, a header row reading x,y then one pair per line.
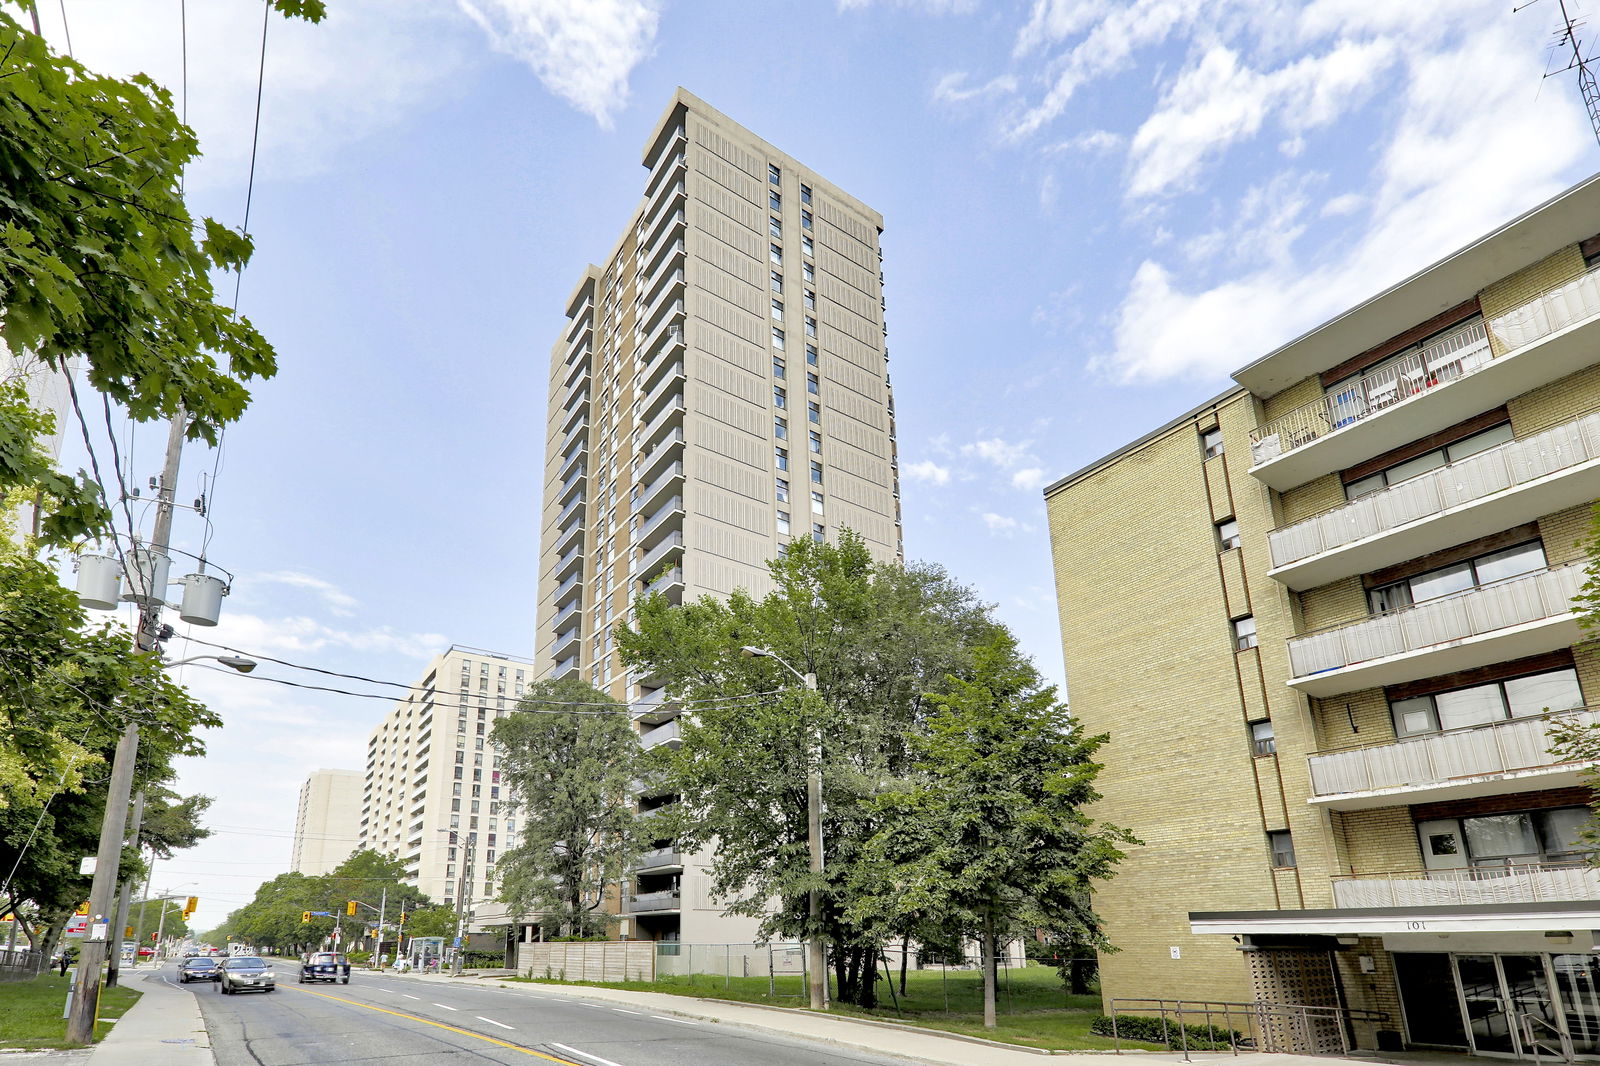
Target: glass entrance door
x,y
1497,991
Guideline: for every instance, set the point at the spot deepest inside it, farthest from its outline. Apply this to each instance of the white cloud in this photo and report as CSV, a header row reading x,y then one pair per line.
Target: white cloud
x,y
1002,453
337,600
582,52
1091,142
1347,204
931,7
1031,479
953,88
928,471
1000,525
299,635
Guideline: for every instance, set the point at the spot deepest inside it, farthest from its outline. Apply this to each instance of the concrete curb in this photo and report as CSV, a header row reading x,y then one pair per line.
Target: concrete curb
x,y
164,1028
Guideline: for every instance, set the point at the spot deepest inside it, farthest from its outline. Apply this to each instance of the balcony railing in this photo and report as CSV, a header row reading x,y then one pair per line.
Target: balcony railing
x,y
1550,312
565,639
653,708
568,615
663,513
673,472
665,581
670,383
672,410
669,543
1438,759
657,453
1449,358
666,733
1491,471
566,666
645,902
1545,594
569,510
659,857
1532,883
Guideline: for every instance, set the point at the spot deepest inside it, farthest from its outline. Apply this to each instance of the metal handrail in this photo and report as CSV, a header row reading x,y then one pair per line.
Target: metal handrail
x,y
1248,1026
1465,873
1419,737
1563,1049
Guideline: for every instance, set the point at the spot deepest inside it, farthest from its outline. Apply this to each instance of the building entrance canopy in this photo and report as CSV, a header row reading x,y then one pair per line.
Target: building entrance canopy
x,y
1557,916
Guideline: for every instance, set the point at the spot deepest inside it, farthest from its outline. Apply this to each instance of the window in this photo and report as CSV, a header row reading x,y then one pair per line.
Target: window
x,y
805,219
805,195
774,201
811,384
816,472
818,534
1421,464
1518,697
814,412
1211,443
807,247
783,522
780,398
809,272
777,282
781,457
816,442
1459,577
1510,838
783,490
811,354
774,227
816,503
1227,534
1262,740
773,173
1244,632
1281,845
777,367
777,338
780,428
775,254
810,299
777,310
811,326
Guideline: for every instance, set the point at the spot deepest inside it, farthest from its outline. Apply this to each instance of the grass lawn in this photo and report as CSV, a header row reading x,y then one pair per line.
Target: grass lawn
x,y
32,1014
1037,1011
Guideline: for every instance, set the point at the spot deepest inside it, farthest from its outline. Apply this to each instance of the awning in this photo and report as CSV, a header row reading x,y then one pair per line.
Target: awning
x,y
1555,916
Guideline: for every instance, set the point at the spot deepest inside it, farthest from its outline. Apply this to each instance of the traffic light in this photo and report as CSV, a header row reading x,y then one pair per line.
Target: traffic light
x,y
127,931
305,917
402,917
153,936
190,905
350,908
83,910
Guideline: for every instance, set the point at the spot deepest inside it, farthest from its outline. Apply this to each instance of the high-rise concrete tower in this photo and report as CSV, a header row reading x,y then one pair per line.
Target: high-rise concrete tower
x,y
721,388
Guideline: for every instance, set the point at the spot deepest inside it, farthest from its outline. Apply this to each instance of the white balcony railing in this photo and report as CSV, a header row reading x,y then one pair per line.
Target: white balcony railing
x,y
1550,312
1534,883
669,544
663,514
665,581
1452,356
673,472
645,902
1544,594
566,666
1518,744
1474,478
666,733
653,708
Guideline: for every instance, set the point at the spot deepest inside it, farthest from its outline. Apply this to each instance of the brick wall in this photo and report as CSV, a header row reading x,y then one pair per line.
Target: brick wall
x,y
1512,292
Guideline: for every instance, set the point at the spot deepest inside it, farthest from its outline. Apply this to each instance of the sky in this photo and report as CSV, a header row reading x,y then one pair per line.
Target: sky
x,y
1094,211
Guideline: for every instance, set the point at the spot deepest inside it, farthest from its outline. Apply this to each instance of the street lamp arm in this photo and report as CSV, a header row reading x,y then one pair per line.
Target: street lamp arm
x,y
752,652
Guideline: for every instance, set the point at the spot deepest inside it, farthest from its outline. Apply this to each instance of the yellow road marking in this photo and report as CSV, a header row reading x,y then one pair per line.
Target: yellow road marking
x,y
436,1025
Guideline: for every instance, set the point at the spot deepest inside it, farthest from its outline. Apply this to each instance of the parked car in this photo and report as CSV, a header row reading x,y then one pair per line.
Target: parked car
x,y
246,973
326,966
198,968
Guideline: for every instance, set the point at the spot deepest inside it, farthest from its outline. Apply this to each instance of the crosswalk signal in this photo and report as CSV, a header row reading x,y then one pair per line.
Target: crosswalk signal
x,y
350,908
305,917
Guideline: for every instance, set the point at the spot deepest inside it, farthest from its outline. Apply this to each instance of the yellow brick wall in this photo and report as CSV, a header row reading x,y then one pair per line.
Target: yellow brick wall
x,y
1333,604
1368,710
1563,533
1560,401
1586,657
1312,498
1293,398
1379,841
1517,289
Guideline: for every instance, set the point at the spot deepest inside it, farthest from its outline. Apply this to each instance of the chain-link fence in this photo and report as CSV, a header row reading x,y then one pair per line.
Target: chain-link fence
x,y
20,965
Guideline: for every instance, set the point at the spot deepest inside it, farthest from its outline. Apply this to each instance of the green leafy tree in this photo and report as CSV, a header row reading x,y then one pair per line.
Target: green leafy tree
x,y
274,917
147,917
989,831
878,636
431,921
569,758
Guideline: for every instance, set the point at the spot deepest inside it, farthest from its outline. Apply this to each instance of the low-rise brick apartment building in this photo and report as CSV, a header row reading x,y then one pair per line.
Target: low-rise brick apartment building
x,y
1327,619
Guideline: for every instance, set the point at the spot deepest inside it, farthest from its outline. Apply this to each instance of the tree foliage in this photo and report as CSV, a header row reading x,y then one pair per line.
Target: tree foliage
x,y
988,832
273,918
878,636
569,757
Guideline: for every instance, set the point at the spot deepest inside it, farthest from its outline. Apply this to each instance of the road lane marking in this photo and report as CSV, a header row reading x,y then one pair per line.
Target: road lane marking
x,y
681,1021
441,1025
410,996
621,1010
446,1006
583,1054
491,1021
389,990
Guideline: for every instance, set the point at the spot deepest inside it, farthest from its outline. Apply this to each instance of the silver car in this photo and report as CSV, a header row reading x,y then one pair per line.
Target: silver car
x,y
246,973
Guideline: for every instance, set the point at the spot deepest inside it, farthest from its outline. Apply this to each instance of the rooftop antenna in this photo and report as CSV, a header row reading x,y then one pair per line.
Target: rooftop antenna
x,y
1567,38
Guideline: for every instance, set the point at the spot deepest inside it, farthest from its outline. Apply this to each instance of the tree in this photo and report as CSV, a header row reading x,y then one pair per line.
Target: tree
x,y
147,917
877,636
273,917
431,921
989,830
569,758
100,261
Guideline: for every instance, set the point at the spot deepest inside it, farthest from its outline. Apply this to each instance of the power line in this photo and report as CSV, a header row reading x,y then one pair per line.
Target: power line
x,y
255,139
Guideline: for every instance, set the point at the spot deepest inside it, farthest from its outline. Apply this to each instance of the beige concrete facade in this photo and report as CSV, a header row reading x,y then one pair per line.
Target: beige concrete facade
x,y
431,794
721,386
325,823
1326,619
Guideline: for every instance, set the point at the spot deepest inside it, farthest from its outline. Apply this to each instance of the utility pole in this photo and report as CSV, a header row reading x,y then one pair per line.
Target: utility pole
x,y
92,955
383,910
114,963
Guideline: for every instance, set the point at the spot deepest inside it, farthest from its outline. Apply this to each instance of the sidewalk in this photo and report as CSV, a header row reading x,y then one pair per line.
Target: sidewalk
x,y
879,1038
163,1029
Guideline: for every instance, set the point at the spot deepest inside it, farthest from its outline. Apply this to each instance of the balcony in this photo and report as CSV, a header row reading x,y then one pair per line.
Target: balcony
x,y
576,434
568,589
670,344
567,615
666,733
670,383
669,197
1533,883
566,666
570,539
1543,340
668,330
1481,760
573,481
667,240
572,557
671,160
1511,619
662,288
572,457
571,509
577,378
654,708
671,415
566,643
660,859
580,322
668,512
669,478
671,581
1496,489
652,902
652,560
661,223
660,452
576,408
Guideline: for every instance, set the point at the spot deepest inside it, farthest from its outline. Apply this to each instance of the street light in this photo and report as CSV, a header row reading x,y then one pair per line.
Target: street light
x,y
816,976
463,886
237,662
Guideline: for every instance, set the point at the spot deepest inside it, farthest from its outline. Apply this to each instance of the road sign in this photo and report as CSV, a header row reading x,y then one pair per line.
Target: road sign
x,y
456,943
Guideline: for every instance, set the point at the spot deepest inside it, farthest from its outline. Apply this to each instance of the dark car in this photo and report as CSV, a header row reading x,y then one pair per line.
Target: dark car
x,y
246,973
326,966
198,968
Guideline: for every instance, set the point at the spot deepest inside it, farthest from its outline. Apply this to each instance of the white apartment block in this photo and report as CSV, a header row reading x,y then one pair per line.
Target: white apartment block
x,y
325,823
432,794
720,388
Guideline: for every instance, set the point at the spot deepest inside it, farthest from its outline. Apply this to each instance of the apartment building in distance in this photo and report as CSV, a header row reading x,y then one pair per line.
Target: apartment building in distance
x,y
720,388
1327,619
431,794
325,821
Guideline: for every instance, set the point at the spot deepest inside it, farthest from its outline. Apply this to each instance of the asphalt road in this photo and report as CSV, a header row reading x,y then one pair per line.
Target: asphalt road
x,y
389,1020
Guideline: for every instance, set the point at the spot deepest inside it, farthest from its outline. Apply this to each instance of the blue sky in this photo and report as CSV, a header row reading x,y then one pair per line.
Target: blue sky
x,y
1093,211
